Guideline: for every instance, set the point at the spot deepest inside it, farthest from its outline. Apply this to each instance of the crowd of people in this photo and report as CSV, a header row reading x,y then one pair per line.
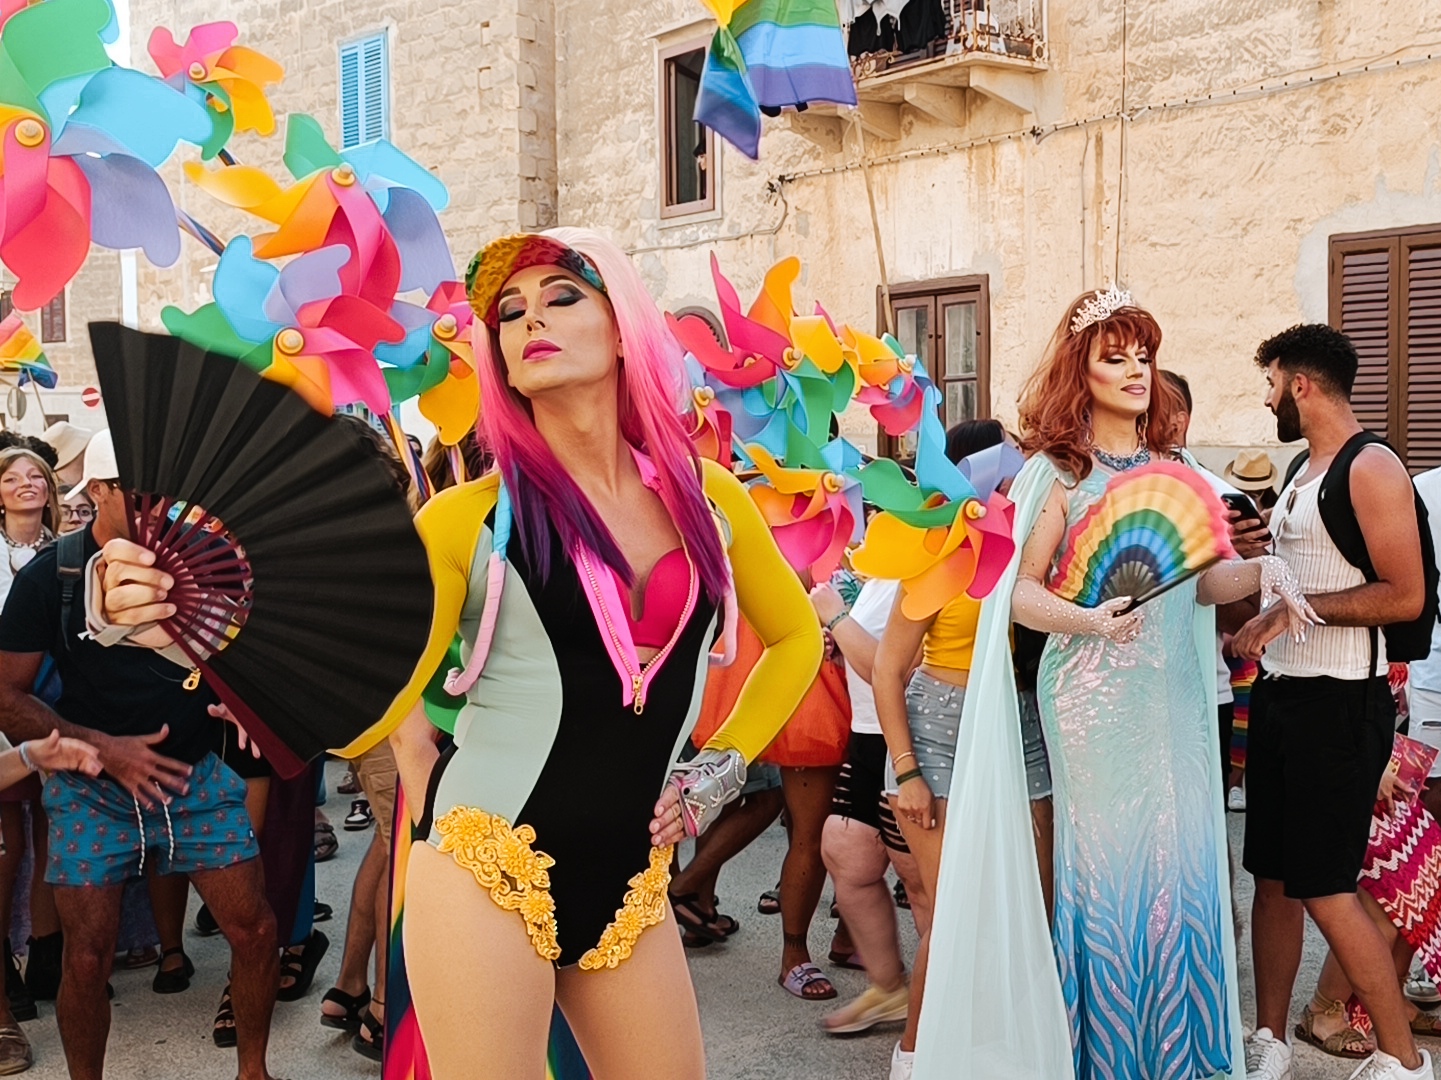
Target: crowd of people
x,y
1047,783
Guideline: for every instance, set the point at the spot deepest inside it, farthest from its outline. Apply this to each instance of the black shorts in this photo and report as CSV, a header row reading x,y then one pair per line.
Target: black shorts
x,y
1315,753
859,786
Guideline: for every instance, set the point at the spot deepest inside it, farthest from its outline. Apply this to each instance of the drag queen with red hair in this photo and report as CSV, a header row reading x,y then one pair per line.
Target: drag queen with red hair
x,y
1141,938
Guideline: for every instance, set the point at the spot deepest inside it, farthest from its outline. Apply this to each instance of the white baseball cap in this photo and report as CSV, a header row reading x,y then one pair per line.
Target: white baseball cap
x,y
68,440
99,464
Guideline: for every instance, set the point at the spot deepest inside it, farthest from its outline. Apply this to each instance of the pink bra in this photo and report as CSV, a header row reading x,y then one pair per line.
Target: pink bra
x,y
665,600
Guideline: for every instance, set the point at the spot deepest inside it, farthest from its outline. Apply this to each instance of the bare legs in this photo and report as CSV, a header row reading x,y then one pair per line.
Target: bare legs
x,y
484,997
857,862
808,794
91,920
1356,944
739,824
925,845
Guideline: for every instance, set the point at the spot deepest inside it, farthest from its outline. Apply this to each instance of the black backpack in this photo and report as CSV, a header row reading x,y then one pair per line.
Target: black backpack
x,y
1405,641
70,569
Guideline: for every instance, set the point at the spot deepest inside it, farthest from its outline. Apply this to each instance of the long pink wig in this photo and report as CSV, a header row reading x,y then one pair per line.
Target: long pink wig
x,y
649,403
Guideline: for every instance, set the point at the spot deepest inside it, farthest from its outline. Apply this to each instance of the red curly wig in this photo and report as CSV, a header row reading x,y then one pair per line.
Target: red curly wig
x,y
1056,403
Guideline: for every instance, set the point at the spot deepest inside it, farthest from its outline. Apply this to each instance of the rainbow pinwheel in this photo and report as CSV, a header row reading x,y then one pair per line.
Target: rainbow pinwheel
x,y
948,534
21,356
82,139
228,79
297,325
814,514
373,200
892,384
445,382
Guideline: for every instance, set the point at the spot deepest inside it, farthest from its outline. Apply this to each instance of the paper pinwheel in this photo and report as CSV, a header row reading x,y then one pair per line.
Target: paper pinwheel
x,y
82,139
373,200
891,383
228,79
814,514
298,325
947,535
21,357
445,381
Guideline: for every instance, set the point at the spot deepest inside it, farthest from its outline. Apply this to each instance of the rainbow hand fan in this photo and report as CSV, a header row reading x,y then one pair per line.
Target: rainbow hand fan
x,y
1153,528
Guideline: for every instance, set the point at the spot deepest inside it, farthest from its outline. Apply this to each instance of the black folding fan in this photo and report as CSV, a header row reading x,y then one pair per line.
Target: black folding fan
x,y
303,591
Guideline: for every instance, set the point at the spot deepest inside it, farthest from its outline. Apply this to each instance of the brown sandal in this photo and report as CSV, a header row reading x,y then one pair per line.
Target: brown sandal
x,y
1346,1043
1426,1024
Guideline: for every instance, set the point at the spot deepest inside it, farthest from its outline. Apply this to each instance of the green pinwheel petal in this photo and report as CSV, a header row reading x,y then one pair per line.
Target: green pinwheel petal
x,y
306,148
208,328
935,518
222,124
895,346
406,383
802,452
843,384
49,42
883,484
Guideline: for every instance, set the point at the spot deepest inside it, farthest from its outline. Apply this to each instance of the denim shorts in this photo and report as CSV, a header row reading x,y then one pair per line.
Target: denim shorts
x,y
934,711
100,835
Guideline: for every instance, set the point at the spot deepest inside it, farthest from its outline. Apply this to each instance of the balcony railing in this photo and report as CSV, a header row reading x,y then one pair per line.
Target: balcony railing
x,y
1000,28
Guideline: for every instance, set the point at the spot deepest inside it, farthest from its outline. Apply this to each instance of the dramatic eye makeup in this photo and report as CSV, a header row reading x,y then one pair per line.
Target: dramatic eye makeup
x,y
555,292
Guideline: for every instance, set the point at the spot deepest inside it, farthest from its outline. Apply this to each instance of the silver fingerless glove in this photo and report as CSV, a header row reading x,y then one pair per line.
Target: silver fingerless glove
x,y
705,784
1278,581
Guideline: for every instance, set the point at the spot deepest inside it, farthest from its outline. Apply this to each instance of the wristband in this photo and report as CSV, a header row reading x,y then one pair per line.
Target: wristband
x,y
30,766
909,774
830,626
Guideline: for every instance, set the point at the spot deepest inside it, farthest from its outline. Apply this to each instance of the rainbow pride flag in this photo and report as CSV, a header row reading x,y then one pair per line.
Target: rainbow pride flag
x,y
405,1056
770,55
21,353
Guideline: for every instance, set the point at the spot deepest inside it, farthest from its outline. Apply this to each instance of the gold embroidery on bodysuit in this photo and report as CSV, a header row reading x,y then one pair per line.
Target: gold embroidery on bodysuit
x,y
503,861
645,906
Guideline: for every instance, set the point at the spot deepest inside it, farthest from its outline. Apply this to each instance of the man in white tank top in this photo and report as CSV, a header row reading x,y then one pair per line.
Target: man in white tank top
x,y
1322,717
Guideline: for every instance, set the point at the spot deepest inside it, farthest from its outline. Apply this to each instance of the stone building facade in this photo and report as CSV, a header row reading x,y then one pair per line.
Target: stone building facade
x,y
1206,156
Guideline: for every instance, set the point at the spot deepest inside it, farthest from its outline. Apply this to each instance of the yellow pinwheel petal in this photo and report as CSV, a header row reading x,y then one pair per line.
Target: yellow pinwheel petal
x,y
308,376
786,481
773,307
869,349
241,186
811,335
933,589
250,105
897,551
249,64
453,407
304,214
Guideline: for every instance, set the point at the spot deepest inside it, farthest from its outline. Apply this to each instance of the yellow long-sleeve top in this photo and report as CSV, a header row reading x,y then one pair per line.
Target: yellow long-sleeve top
x,y
454,528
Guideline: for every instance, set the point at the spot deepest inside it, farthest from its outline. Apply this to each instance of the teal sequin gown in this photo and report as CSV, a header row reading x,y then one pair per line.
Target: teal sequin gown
x,y
1140,900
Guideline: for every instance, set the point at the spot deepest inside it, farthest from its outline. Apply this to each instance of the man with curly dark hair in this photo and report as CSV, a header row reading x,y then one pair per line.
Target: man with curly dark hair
x,y
1323,719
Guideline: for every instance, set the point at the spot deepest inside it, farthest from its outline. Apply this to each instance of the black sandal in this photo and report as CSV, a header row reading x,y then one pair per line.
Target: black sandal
x,y
173,982
770,902
693,920
301,966
223,1032
355,1005
369,1041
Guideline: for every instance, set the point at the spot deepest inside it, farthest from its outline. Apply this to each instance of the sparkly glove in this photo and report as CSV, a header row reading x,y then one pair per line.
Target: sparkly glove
x,y
705,784
1033,605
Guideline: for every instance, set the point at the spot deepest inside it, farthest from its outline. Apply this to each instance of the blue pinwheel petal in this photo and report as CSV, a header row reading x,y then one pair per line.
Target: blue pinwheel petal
x,y
130,207
934,471
425,257
145,115
840,455
414,347
59,98
242,285
382,163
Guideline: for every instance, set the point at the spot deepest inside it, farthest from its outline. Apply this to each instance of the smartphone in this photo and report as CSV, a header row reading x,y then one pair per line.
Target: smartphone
x,y
1234,500
1242,503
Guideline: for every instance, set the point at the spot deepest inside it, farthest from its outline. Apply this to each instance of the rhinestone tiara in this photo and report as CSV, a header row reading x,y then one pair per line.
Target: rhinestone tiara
x,y
1100,307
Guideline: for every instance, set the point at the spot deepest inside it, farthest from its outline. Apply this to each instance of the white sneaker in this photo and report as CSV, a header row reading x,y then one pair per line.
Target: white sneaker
x,y
1236,800
903,1063
1267,1057
1382,1066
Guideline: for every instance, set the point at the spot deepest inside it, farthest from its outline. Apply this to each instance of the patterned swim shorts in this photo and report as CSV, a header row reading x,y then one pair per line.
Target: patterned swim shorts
x,y
99,834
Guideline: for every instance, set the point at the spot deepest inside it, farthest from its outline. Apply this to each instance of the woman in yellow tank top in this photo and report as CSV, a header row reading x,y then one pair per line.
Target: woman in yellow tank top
x,y
920,711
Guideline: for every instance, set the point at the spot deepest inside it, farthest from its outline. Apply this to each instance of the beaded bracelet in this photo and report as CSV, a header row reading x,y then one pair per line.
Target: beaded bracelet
x,y
830,626
909,774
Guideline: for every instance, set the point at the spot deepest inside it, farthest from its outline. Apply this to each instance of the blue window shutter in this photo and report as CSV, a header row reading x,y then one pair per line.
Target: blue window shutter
x,y
377,91
364,91
349,96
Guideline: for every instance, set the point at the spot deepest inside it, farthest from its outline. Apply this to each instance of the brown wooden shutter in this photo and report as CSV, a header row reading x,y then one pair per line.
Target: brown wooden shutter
x,y
1362,308
1422,317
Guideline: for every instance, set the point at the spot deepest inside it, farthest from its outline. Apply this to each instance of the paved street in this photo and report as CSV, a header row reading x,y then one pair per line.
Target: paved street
x,y
753,1030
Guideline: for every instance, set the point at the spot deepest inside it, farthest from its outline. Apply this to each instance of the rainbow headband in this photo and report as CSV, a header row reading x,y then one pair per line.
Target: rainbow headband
x,y
501,259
